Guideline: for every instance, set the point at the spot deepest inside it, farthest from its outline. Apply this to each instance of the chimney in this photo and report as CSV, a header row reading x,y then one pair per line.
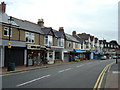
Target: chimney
x,y
74,33
3,7
41,22
61,29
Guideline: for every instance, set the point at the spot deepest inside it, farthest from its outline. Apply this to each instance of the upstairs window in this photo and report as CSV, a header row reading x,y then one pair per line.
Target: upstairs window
x,y
48,40
30,38
69,44
61,42
6,32
76,45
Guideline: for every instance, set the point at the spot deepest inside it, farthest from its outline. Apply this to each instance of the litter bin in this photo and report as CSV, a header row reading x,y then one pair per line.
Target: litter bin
x,y
11,67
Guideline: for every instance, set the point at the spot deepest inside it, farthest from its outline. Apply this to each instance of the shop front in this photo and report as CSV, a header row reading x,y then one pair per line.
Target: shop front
x,y
14,55
35,55
58,53
78,55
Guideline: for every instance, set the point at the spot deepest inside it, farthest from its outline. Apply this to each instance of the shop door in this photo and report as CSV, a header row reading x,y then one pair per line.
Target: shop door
x,y
16,56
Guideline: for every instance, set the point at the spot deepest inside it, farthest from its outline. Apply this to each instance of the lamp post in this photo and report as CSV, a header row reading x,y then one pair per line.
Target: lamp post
x,y
116,58
10,21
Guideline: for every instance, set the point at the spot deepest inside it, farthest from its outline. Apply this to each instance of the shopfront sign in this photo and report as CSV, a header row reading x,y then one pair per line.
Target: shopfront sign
x,y
33,47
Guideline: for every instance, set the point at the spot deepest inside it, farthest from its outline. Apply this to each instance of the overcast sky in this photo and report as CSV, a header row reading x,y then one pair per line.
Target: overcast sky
x,y
96,17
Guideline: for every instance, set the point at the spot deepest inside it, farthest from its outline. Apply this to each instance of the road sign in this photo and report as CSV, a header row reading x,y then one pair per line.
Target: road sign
x,y
9,44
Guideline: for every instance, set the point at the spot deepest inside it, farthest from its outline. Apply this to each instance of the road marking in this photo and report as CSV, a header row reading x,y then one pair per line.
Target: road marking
x,y
109,69
13,73
79,66
115,72
101,76
64,70
68,69
61,71
33,80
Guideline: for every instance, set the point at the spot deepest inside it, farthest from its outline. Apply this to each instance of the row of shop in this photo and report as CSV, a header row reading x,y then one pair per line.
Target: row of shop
x,y
35,54
30,55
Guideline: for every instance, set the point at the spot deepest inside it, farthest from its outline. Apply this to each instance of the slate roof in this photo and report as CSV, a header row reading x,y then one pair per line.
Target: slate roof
x,y
84,36
96,39
58,34
4,18
71,38
26,25
91,38
46,30
100,41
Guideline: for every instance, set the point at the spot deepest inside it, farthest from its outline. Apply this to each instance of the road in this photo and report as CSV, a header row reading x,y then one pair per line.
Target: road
x,y
76,75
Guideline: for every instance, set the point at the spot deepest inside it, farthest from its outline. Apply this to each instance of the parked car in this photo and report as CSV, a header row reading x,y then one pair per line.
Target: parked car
x,y
103,58
114,57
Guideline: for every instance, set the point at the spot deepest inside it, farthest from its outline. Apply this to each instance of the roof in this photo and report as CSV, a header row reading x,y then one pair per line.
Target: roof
x,y
96,39
58,34
46,31
84,36
91,38
27,25
4,18
71,38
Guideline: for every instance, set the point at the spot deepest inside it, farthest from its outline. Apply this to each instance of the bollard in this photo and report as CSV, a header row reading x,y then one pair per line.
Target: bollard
x,y
116,60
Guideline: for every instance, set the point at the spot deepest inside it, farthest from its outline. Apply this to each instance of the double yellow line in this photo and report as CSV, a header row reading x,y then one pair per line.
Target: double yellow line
x,y
101,76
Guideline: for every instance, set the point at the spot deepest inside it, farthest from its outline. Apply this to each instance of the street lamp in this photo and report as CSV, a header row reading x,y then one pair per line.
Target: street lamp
x,y
10,21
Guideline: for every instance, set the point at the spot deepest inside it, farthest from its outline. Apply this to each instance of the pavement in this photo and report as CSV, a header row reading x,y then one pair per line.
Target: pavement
x,y
113,77
25,68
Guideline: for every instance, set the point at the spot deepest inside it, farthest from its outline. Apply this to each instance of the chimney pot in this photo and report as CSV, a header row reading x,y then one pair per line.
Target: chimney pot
x,y
61,29
74,33
3,7
41,22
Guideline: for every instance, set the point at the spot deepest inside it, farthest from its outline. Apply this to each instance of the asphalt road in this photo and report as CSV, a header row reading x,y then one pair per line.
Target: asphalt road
x,y
78,75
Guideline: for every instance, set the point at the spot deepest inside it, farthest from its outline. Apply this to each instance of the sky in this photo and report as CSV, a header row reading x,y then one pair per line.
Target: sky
x,y
96,17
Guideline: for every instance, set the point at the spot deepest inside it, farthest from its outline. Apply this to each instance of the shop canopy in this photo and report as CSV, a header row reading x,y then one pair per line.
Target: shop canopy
x,y
78,50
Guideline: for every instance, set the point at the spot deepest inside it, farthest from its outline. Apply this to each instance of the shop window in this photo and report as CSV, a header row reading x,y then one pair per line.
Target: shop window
x,y
6,32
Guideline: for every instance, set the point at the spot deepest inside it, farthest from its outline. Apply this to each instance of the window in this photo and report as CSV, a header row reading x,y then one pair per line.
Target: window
x,y
81,46
76,45
48,40
30,38
6,32
69,44
61,42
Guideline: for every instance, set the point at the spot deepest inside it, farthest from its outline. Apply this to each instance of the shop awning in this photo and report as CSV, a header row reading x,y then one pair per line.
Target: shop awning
x,y
78,50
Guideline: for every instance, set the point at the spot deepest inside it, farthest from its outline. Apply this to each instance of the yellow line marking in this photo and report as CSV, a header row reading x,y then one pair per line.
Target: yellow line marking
x,y
100,78
14,73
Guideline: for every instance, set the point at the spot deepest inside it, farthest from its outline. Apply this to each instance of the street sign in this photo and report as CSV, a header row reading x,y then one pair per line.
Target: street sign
x,y
9,44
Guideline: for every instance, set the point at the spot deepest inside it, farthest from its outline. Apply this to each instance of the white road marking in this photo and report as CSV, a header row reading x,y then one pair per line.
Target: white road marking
x,y
61,71
79,66
68,69
64,70
115,72
33,80
109,69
